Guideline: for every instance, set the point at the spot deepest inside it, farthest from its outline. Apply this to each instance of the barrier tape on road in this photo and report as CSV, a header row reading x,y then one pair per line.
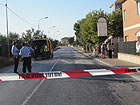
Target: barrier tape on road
x,y
65,74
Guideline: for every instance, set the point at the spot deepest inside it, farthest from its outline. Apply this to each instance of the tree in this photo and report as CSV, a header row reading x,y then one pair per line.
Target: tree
x,y
13,37
115,25
3,39
79,39
70,40
32,34
54,42
77,28
88,27
27,36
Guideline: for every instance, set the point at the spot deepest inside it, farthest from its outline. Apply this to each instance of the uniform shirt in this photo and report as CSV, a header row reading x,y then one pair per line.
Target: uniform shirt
x,y
24,52
31,50
14,50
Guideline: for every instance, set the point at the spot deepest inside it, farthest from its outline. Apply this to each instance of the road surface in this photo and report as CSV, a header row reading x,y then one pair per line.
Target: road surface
x,y
103,90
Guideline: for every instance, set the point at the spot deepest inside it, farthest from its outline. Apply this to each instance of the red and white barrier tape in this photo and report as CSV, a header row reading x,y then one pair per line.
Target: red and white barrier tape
x,y
65,74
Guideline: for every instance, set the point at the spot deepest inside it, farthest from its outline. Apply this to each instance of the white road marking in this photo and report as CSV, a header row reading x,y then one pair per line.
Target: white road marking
x,y
110,65
28,98
56,62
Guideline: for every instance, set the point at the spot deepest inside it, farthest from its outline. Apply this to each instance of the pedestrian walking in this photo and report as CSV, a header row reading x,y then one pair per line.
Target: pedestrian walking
x,y
15,53
103,50
113,50
25,54
105,45
110,50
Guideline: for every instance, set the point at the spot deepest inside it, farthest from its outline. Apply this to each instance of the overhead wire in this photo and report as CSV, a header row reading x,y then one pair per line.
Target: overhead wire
x,y
18,16
2,4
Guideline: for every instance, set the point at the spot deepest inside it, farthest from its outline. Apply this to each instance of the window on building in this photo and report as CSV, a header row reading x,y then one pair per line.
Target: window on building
x,y
138,8
126,38
124,12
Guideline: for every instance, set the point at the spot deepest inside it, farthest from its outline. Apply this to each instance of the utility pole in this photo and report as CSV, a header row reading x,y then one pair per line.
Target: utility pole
x,y
7,30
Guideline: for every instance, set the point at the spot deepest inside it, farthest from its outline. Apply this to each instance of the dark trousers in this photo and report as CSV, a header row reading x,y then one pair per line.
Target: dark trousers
x,y
30,60
110,53
26,63
16,61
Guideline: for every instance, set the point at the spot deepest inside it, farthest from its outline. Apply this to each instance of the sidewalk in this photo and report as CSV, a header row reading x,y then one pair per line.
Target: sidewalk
x,y
113,63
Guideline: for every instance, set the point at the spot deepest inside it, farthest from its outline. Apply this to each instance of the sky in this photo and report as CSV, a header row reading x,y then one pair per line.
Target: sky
x,y
61,13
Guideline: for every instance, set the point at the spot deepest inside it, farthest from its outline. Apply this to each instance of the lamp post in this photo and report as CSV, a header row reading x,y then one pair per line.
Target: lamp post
x,y
40,20
49,30
7,30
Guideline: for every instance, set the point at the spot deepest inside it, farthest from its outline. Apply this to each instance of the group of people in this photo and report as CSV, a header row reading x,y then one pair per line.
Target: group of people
x,y
107,49
25,54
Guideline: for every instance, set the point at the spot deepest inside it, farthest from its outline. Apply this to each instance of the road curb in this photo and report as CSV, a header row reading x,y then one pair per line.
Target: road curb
x,y
105,63
135,76
81,52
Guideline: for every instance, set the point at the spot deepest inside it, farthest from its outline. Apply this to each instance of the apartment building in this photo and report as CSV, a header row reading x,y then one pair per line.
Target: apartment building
x,y
75,37
131,19
64,41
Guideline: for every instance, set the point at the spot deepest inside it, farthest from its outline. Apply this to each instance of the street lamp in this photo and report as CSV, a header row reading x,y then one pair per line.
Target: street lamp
x,y
49,30
40,20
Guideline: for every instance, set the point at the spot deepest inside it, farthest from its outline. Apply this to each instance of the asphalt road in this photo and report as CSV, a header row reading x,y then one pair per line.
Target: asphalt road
x,y
103,90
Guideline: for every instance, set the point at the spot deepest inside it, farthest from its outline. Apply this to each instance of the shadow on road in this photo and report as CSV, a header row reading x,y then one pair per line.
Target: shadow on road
x,y
120,78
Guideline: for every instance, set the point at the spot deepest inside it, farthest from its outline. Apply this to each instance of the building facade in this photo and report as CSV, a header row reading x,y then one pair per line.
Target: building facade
x,y
75,37
64,41
131,19
131,31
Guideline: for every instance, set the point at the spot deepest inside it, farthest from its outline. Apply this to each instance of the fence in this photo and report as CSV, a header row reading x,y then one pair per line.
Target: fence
x,y
4,50
127,47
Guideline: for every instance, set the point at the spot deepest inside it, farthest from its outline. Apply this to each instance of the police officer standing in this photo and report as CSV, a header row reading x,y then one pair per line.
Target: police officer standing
x,y
30,55
15,52
25,54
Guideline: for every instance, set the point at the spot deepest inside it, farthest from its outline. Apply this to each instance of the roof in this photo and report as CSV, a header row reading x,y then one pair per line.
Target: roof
x,y
138,33
120,1
64,38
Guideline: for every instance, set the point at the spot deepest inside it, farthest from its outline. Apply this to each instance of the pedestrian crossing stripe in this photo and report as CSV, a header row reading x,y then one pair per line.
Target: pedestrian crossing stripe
x,y
66,74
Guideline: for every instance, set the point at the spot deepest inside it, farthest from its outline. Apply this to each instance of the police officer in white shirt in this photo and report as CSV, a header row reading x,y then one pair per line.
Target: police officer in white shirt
x,y
25,54
15,52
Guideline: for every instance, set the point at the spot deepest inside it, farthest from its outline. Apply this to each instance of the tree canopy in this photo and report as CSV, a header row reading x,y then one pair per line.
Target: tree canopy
x,y
86,28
